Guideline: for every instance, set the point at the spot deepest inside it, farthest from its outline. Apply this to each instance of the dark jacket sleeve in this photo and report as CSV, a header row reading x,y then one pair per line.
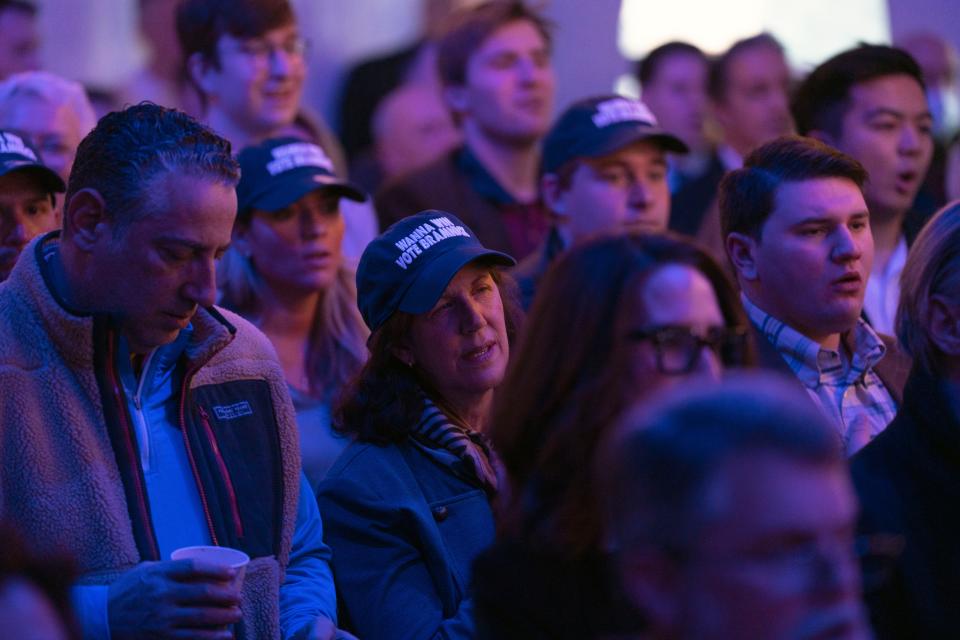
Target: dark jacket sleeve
x,y
885,591
386,590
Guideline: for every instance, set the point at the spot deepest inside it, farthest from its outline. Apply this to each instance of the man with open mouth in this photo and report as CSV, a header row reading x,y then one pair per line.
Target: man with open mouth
x,y
797,232
869,102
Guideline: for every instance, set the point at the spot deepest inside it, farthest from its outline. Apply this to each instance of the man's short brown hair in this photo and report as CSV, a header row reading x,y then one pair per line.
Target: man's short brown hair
x,y
718,78
748,195
465,32
201,23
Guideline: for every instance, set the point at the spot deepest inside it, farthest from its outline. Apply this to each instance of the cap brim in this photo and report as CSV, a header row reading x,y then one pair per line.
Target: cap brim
x,y
285,191
621,137
424,291
51,181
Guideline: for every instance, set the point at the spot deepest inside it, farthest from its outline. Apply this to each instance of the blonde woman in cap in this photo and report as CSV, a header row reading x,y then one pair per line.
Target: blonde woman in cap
x,y
285,273
407,506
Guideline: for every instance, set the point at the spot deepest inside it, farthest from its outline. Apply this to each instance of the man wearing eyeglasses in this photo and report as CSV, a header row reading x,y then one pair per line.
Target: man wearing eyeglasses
x,y
604,170
797,232
247,59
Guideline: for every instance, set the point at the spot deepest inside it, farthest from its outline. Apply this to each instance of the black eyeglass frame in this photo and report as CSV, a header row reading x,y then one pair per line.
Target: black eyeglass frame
x,y
729,343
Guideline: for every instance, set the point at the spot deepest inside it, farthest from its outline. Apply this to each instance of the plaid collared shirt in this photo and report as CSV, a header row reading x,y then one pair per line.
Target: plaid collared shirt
x,y
850,392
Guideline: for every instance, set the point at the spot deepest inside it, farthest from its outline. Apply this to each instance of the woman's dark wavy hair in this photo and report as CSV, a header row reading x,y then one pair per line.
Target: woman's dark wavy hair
x,y
568,381
382,402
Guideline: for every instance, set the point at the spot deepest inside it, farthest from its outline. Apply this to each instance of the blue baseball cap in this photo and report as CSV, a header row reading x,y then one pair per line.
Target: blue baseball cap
x,y
408,267
594,127
277,172
17,155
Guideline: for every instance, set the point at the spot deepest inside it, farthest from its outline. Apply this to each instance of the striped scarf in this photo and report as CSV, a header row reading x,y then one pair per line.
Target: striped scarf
x,y
436,431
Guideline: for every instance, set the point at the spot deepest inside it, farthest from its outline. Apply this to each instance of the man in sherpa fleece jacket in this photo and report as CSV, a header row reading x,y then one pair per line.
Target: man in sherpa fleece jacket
x,y
136,418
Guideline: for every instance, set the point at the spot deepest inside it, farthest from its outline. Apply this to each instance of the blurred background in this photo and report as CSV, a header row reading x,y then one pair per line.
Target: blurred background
x,y
103,43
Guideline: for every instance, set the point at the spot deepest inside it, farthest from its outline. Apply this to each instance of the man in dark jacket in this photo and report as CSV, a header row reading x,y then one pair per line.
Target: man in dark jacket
x,y
908,478
673,79
498,81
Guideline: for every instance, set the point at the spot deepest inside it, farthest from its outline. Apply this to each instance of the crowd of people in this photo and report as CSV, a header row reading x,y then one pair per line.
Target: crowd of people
x,y
686,367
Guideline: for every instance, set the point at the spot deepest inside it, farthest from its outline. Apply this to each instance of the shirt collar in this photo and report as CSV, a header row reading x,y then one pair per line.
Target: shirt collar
x,y
894,265
160,360
806,357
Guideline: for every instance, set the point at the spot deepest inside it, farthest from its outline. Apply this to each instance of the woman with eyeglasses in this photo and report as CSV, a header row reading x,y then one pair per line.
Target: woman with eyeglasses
x,y
615,320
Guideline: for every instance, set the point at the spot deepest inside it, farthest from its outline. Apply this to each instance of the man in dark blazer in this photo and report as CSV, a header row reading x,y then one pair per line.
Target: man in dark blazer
x,y
498,81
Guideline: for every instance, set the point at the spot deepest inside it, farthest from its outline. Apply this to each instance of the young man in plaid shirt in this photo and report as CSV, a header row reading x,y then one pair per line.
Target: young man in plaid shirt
x,y
797,231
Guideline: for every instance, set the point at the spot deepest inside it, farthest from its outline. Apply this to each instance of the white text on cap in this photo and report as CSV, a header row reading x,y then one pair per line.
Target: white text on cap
x,y
622,110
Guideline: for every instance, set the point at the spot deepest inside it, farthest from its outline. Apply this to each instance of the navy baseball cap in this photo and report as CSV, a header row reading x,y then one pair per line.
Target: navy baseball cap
x,y
17,155
277,172
597,126
408,267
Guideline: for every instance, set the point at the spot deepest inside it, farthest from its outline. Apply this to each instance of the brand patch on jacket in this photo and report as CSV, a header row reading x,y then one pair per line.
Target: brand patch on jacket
x,y
233,411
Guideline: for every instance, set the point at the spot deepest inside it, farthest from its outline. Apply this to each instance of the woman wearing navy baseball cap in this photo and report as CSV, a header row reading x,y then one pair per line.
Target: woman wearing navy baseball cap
x,y
285,273
407,506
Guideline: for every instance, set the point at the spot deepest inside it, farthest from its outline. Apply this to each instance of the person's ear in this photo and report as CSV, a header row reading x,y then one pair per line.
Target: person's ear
x,y
553,193
945,325
201,72
651,582
85,219
405,355
742,250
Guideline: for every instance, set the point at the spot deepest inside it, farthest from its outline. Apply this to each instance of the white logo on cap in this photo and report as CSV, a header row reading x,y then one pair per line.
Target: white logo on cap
x,y
298,154
425,236
10,143
623,110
